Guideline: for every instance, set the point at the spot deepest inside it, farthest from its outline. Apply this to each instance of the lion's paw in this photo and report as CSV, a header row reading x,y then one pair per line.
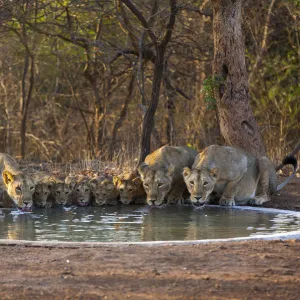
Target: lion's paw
x,y
227,202
257,201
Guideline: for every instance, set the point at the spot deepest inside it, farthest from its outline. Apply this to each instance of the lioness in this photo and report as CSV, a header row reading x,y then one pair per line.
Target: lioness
x,y
161,173
237,176
131,188
18,185
104,192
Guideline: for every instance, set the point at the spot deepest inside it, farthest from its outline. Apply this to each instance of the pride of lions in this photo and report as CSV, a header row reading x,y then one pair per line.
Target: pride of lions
x,y
174,175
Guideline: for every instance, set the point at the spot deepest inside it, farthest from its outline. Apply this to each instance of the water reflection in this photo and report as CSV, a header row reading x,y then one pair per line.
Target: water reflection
x,y
141,223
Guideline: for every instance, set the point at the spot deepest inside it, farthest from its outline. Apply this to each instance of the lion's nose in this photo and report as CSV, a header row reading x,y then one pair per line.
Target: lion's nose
x,y
26,202
197,198
152,201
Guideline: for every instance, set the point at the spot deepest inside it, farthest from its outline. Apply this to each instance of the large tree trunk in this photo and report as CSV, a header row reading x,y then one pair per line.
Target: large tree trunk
x,y
237,122
121,117
148,122
26,99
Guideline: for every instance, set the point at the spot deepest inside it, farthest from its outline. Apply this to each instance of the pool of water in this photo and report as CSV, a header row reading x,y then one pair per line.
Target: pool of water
x,y
142,223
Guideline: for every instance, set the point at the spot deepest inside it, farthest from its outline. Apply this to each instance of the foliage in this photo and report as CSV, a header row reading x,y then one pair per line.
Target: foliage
x,y
210,85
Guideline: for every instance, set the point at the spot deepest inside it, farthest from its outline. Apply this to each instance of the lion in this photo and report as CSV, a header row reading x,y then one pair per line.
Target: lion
x,y
131,189
104,192
41,194
60,193
161,174
232,175
18,185
82,192
44,182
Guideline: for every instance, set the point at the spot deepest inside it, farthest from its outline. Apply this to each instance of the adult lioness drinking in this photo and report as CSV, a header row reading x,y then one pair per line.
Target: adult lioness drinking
x,y
18,185
237,176
161,173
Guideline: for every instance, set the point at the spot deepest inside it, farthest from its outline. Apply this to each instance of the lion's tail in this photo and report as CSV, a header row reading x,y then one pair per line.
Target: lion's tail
x,y
288,160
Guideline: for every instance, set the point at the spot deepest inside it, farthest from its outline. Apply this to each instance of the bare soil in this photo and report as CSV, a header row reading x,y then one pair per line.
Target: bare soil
x,y
233,270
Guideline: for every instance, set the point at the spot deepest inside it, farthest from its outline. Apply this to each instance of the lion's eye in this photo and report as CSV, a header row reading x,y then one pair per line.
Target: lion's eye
x,y
130,190
146,185
66,193
191,182
97,194
86,190
205,183
77,190
160,184
31,188
18,189
104,195
37,193
58,192
121,190
45,193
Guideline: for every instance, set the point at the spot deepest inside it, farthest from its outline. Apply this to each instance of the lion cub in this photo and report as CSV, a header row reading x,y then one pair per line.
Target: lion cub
x,y
82,191
237,176
18,185
161,174
44,182
131,189
104,192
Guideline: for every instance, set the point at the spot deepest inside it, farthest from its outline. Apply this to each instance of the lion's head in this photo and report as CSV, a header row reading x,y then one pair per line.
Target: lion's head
x,y
129,186
40,195
20,188
103,192
61,193
82,192
200,183
157,182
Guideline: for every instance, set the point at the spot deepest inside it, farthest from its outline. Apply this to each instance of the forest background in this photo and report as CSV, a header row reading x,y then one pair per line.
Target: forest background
x,y
76,77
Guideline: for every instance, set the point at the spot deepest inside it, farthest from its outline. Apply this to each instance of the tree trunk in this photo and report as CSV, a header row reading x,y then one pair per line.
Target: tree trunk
x,y
122,117
26,99
170,106
237,123
148,122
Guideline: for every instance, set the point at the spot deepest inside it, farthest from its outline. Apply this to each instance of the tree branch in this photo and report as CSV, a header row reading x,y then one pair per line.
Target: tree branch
x,y
170,25
141,18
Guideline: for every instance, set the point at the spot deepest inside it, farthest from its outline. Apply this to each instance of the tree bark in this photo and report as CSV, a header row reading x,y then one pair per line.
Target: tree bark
x,y
26,99
148,122
237,123
121,117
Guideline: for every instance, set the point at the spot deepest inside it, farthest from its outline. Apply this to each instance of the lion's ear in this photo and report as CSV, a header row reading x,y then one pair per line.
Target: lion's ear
x,y
8,177
214,172
171,170
116,179
93,182
137,181
186,172
143,169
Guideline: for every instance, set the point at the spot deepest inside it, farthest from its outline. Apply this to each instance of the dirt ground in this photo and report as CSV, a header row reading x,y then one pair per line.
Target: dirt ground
x,y
234,270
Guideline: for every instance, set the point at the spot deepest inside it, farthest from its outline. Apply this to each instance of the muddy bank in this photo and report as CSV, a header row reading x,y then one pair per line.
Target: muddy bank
x,y
244,270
